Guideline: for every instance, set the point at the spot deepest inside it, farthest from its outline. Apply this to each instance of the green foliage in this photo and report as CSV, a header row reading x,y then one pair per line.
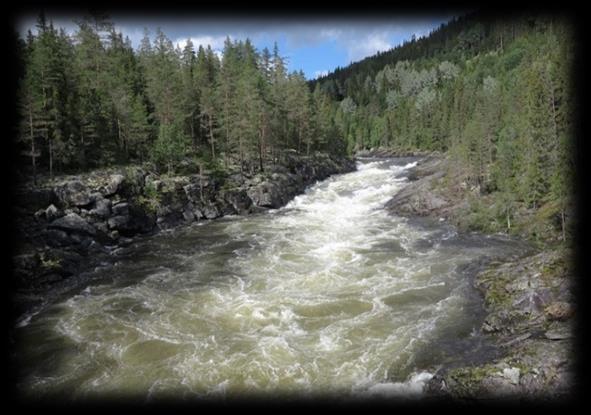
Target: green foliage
x,y
495,93
170,147
90,100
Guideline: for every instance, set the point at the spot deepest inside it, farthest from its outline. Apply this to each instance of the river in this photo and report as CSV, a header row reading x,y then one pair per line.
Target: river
x,y
327,295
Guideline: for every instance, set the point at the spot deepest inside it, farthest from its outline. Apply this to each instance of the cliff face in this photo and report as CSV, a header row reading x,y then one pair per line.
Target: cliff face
x,y
70,225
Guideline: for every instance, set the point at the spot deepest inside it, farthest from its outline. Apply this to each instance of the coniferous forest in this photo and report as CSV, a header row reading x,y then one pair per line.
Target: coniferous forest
x,y
493,93
91,100
496,94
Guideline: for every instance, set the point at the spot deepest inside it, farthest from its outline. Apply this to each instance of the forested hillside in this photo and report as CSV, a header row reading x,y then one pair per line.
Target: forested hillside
x,y
91,100
494,93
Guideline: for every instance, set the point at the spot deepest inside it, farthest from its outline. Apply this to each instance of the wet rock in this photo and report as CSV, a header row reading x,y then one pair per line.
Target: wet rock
x,y
57,238
73,223
120,222
266,194
417,198
102,208
210,211
188,214
52,213
40,214
49,278
120,209
25,266
69,262
239,200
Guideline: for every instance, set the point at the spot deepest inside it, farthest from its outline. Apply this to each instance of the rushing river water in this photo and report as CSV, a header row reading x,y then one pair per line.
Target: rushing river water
x,y
328,294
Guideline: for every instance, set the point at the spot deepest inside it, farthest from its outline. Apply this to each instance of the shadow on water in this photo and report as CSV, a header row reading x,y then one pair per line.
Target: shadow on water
x,y
463,343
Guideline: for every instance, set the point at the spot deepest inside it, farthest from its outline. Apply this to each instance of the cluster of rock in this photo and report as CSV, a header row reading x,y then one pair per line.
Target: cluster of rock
x,y
424,197
64,226
530,316
528,301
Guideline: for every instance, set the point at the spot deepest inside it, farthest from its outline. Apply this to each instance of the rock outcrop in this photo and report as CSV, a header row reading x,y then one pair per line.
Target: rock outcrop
x,y
64,226
529,304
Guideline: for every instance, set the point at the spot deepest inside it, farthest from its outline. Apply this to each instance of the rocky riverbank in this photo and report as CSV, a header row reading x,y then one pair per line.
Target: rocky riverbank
x,y
73,224
529,302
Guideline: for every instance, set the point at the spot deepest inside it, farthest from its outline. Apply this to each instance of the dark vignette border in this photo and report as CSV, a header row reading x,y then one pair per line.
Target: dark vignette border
x,y
301,12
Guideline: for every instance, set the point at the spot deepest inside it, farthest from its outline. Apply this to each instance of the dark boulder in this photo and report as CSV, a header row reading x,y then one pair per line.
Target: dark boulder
x,y
115,182
266,194
239,200
120,209
73,193
102,209
72,222
210,211
119,222
52,213
57,238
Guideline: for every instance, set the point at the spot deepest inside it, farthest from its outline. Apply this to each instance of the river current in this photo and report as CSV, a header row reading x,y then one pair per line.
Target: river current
x,y
327,295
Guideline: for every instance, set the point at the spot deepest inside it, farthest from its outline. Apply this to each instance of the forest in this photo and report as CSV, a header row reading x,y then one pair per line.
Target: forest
x,y
493,93
91,100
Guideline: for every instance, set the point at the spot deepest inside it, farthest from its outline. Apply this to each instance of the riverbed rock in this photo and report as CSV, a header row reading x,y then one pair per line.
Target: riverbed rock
x,y
532,327
239,200
74,193
85,213
119,222
102,208
115,182
266,194
52,213
210,211
120,209
188,213
72,222
57,238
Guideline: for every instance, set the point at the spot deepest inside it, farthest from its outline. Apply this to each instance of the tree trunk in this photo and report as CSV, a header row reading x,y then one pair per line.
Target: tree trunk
x,y
262,144
193,131
50,158
82,149
32,147
241,154
211,136
201,182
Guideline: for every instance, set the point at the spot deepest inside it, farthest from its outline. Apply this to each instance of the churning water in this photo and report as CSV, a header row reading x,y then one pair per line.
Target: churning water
x,y
328,295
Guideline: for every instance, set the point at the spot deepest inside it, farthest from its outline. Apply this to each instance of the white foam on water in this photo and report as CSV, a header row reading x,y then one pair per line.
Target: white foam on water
x,y
411,388
297,308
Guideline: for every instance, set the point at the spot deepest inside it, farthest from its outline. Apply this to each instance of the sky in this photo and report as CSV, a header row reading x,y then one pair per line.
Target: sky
x,y
314,45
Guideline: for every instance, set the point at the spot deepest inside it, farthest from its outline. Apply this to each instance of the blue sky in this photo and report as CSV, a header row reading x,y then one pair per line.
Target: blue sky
x,y
313,45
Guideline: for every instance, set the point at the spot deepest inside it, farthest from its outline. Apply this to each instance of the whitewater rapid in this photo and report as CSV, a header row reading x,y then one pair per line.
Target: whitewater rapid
x,y
327,295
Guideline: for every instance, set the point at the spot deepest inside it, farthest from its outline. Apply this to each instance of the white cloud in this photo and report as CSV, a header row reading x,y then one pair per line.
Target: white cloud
x,y
360,48
216,42
318,74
